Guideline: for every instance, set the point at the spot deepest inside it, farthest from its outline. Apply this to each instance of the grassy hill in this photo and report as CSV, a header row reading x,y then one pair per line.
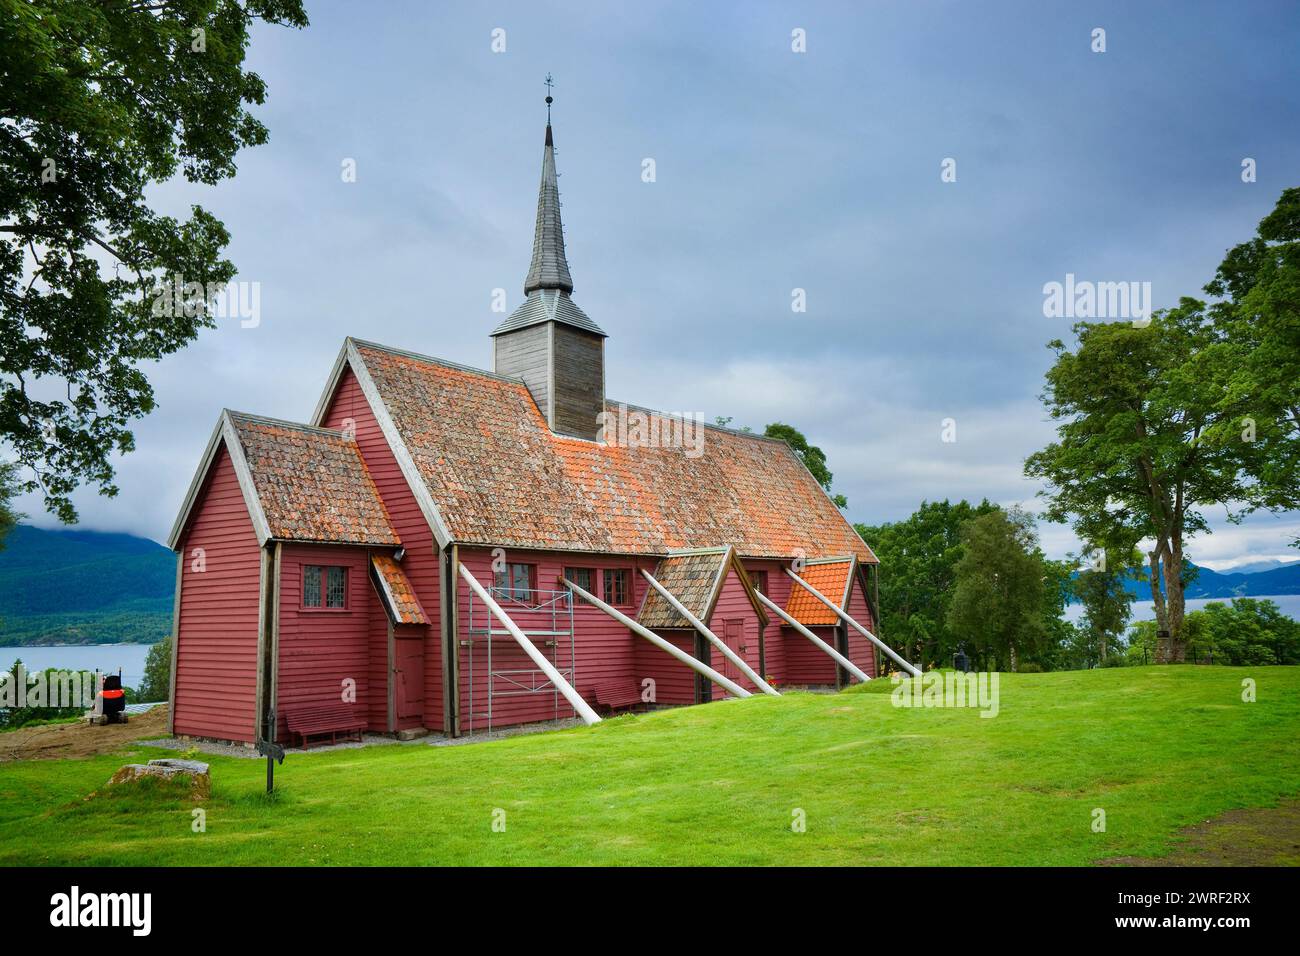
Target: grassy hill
x,y
84,587
1157,749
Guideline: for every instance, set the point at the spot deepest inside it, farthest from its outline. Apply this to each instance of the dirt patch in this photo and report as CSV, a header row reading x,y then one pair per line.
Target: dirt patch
x,y
1268,836
60,741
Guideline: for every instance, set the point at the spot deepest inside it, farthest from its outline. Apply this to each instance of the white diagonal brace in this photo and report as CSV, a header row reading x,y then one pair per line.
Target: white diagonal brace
x,y
839,658
708,635
699,667
584,710
839,612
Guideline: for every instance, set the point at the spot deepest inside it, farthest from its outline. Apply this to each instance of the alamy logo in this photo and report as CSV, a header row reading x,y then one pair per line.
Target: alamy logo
x,y
637,429
103,909
1097,300
950,689
62,689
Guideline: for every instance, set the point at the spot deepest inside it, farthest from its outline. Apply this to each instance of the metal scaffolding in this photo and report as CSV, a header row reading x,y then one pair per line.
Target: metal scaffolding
x,y
545,618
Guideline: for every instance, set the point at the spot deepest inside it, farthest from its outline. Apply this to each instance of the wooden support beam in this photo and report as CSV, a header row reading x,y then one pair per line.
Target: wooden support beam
x,y
584,710
839,658
839,612
709,636
700,668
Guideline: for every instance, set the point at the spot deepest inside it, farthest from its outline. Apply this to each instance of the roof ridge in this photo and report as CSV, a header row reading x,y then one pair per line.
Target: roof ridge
x,y
283,422
435,360
718,428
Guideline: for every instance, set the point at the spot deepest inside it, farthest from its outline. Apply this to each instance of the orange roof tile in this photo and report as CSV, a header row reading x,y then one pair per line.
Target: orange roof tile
x,y
831,578
499,476
312,483
399,598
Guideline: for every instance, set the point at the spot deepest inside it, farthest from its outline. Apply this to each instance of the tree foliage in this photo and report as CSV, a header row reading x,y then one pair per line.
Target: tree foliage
x,y
1131,460
157,673
1001,592
1107,605
99,100
1259,380
918,561
1247,632
812,456
1200,408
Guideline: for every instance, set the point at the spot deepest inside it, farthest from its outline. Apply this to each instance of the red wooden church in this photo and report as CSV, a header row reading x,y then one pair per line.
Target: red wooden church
x,y
449,549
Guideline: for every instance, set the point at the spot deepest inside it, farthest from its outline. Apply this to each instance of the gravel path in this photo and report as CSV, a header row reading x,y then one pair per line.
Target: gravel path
x,y
367,740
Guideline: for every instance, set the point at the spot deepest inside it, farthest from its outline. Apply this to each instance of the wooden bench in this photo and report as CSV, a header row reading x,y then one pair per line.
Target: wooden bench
x,y
316,720
615,694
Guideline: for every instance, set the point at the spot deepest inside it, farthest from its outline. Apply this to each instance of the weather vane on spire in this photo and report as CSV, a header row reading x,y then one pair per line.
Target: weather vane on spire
x,y
549,99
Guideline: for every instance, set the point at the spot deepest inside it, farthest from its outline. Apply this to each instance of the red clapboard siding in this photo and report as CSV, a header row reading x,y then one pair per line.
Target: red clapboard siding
x,y
796,659
422,563
216,652
605,649
734,605
674,682
778,589
861,651
320,649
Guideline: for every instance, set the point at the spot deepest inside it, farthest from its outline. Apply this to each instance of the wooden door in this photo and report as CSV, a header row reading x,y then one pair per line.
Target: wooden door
x,y
733,635
408,675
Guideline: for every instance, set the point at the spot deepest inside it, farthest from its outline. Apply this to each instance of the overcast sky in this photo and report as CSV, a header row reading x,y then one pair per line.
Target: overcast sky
x,y
775,170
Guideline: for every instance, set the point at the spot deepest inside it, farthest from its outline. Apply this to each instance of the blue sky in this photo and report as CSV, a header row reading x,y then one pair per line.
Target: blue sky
x,y
775,170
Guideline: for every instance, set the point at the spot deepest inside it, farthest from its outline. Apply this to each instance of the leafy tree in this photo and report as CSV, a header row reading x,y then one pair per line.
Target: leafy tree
x,y
1057,631
1134,407
918,560
1259,373
999,598
100,100
8,490
1107,605
157,672
812,456
1249,631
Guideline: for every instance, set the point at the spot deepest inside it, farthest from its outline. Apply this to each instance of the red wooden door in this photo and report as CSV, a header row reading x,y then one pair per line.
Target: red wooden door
x,y
733,635
408,677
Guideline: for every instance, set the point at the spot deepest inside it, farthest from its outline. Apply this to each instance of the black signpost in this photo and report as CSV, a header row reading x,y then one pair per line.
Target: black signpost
x,y
273,752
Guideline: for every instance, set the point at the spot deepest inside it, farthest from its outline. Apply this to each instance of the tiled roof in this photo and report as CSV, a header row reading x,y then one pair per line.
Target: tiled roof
x,y
312,483
831,578
399,597
499,476
693,579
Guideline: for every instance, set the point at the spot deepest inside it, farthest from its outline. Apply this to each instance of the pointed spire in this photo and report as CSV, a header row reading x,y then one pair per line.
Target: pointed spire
x,y
549,268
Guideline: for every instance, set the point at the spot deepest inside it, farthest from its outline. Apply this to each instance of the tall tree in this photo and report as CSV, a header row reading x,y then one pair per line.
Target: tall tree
x,y
100,100
1259,372
1132,461
999,597
812,456
918,560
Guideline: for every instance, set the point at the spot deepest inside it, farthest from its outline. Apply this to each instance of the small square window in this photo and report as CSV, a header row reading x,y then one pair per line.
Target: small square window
x,y
515,582
616,586
582,577
324,586
759,580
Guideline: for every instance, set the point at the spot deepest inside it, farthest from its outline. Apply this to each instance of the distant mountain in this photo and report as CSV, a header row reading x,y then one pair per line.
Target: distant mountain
x,y
1251,567
84,587
1283,579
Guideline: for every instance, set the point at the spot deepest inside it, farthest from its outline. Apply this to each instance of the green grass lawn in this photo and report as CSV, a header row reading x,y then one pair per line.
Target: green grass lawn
x,y
1156,748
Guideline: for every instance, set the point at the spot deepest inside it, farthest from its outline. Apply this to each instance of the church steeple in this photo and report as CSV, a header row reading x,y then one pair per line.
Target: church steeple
x,y
548,341
549,268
